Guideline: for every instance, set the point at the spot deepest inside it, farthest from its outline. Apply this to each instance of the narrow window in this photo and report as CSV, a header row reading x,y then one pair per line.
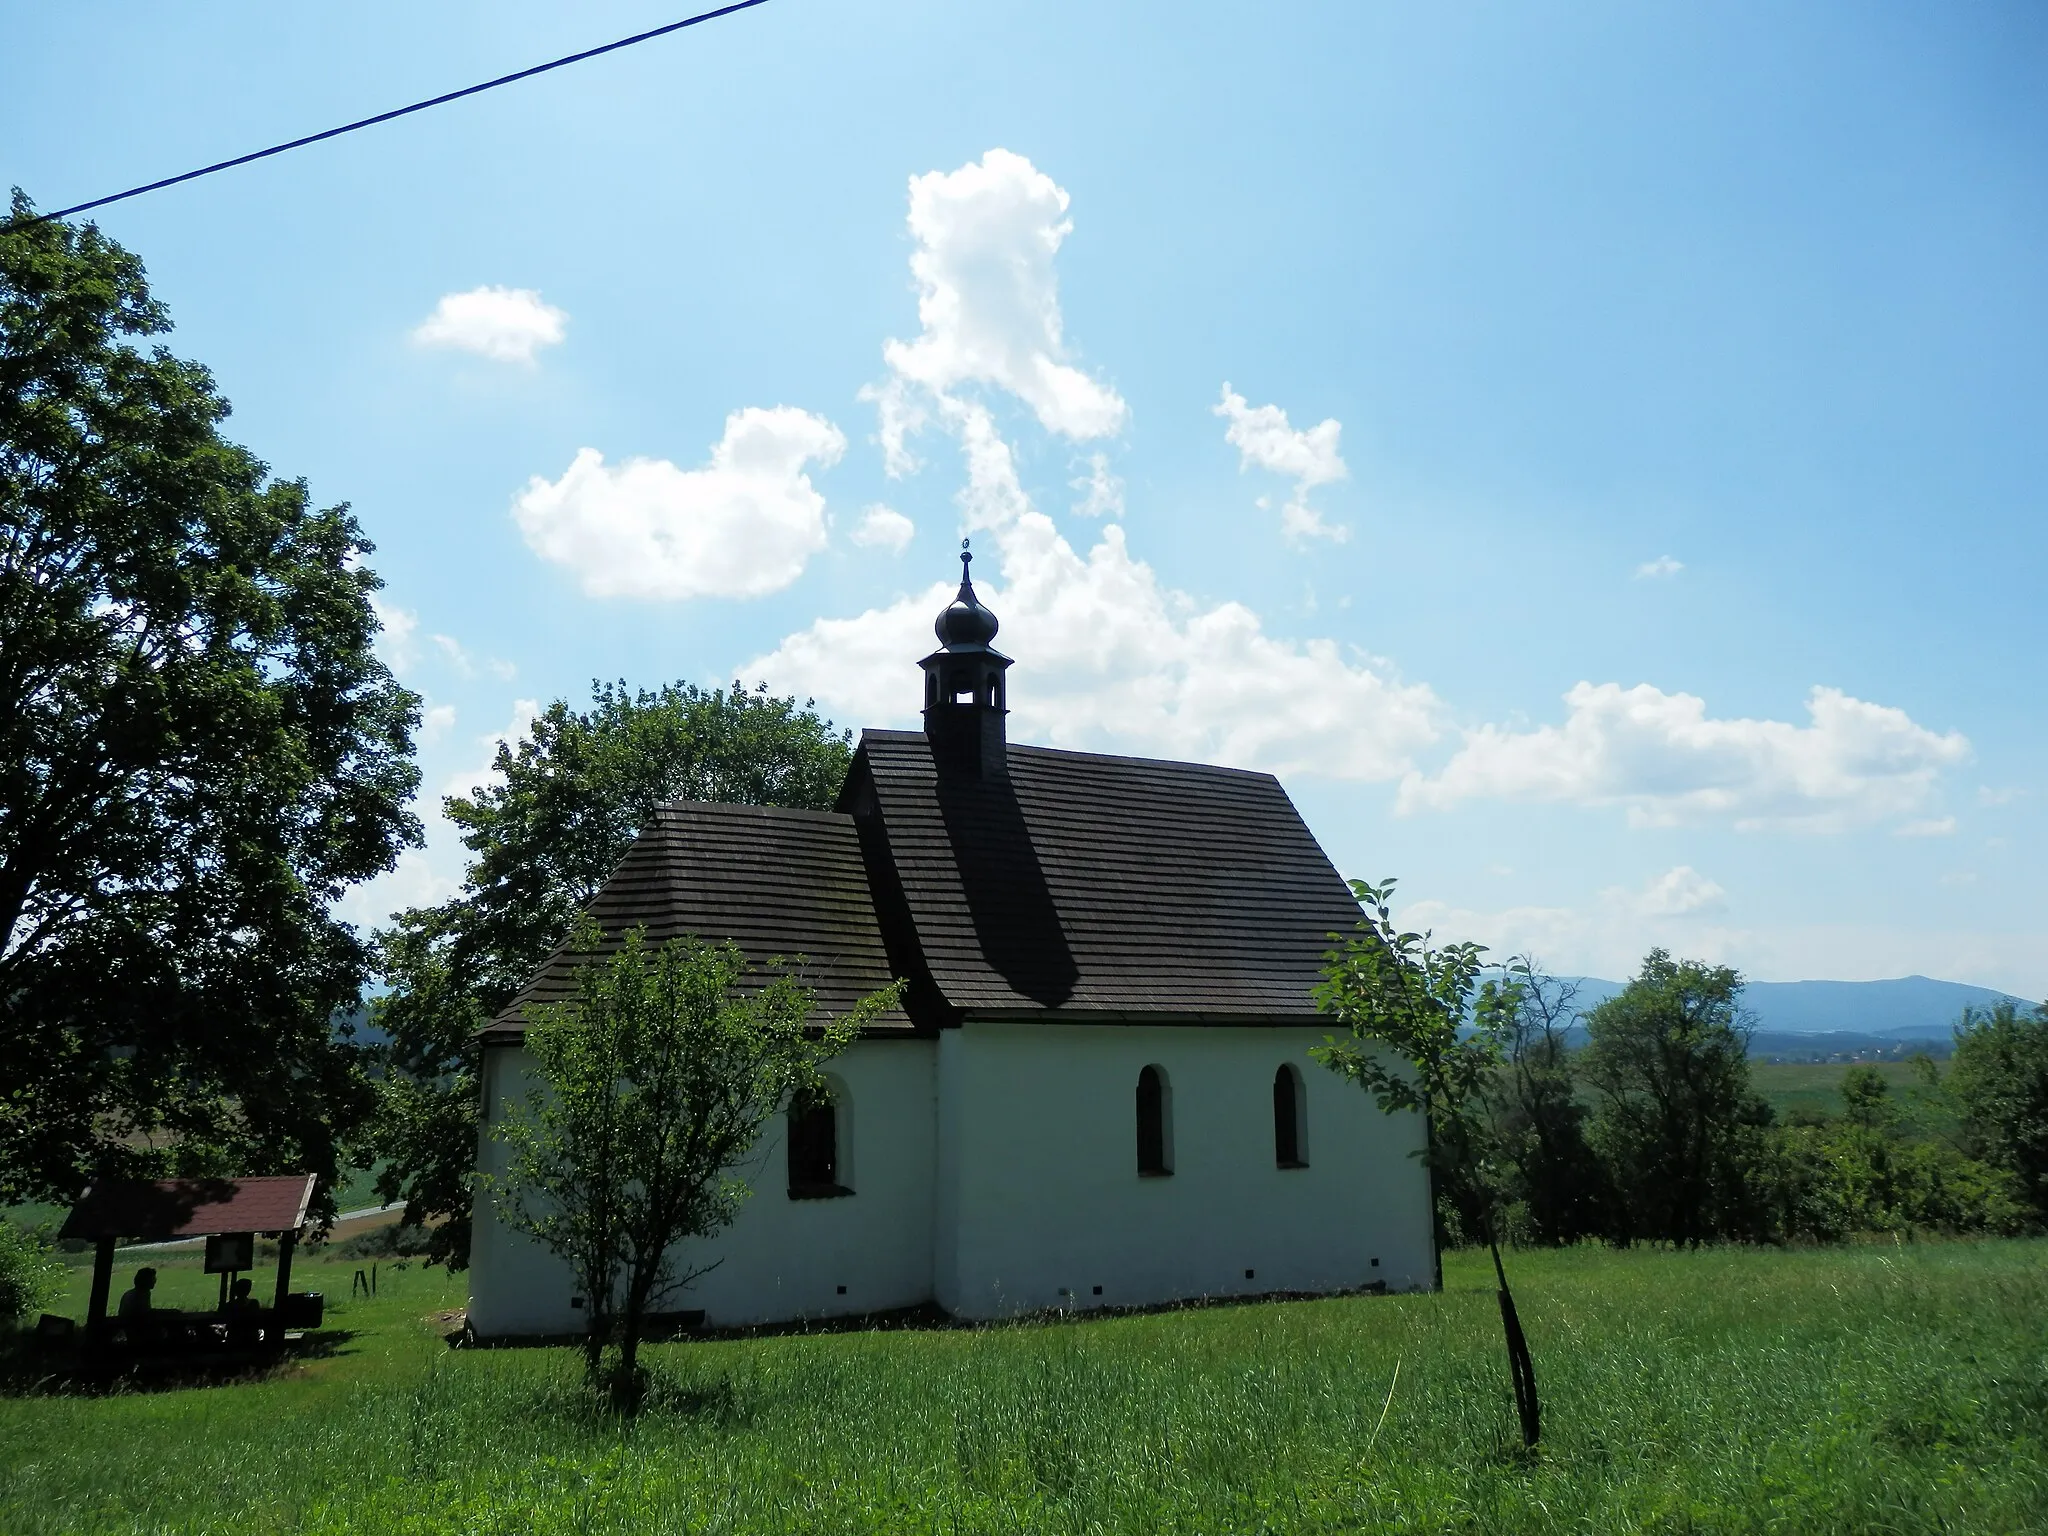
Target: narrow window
x,y
1287,1117
814,1150
1155,1124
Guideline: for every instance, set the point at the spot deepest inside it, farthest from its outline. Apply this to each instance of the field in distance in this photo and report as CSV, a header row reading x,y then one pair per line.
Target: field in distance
x,y
1817,1085
1893,1387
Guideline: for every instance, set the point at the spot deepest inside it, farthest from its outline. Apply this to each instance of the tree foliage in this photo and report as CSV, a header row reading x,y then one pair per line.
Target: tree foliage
x,y
31,1275
1554,1187
1861,1171
1425,1034
198,753
1677,1124
649,1090
1998,1084
559,810
1423,1030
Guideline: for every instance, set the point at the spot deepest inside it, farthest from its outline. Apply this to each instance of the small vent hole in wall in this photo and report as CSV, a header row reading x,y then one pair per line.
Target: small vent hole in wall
x,y
1375,1263
576,1302
1098,1290
842,1290
1247,1274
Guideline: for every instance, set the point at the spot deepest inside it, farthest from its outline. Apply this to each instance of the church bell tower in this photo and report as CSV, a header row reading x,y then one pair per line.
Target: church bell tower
x,y
963,688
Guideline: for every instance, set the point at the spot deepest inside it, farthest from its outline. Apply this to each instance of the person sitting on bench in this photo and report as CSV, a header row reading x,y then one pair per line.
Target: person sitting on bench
x,y
244,1313
136,1309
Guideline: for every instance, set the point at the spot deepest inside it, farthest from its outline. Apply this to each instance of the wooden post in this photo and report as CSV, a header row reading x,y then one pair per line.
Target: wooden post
x,y
102,1284
285,1243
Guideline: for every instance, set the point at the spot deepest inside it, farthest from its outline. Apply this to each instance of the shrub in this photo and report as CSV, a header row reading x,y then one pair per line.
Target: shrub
x,y
1833,1180
30,1274
1999,1084
394,1240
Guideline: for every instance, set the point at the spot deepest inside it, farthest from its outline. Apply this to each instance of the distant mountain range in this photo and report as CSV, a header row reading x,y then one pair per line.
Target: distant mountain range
x,y
1825,1020
1911,1006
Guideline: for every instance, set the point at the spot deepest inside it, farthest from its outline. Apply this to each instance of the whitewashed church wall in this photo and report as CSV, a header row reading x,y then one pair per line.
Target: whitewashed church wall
x,y
782,1258
1046,1202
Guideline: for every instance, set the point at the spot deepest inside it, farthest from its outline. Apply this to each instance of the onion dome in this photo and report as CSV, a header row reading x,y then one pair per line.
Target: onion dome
x,y
965,625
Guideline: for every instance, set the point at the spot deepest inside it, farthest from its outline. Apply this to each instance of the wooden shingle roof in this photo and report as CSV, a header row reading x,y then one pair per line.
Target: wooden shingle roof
x,y
1098,888
1082,888
162,1209
776,882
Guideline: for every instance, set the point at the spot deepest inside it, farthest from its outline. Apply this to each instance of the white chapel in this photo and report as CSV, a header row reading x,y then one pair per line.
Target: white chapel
x,y
1098,1091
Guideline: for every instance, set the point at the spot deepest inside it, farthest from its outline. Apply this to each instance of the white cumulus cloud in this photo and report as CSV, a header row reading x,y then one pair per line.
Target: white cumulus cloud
x,y
1102,493
397,635
884,527
742,525
1265,440
507,325
430,874
1608,936
1109,656
988,302
1678,891
1664,760
1929,826
1663,565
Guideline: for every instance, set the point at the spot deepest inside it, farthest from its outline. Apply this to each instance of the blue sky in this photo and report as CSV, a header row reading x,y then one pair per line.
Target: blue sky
x,y
1594,454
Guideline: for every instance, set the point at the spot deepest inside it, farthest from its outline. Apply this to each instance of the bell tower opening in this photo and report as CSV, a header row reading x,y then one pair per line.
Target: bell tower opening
x,y
964,687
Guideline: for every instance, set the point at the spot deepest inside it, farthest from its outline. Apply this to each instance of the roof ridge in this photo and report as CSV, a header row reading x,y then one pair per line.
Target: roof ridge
x,y
1070,754
748,807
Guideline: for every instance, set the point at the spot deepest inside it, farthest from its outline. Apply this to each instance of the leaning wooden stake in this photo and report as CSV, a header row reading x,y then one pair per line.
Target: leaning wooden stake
x,y
1520,1367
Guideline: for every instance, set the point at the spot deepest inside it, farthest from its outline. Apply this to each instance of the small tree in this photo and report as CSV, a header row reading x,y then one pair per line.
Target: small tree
x,y
1678,1125
561,807
1998,1083
1427,1034
652,1086
1539,1118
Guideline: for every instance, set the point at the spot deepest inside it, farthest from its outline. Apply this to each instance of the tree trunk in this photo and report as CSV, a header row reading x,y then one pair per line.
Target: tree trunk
x,y
598,1312
627,1385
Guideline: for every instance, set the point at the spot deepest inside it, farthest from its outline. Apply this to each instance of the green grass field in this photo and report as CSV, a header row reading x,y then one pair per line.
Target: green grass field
x,y
1817,1085
1875,1388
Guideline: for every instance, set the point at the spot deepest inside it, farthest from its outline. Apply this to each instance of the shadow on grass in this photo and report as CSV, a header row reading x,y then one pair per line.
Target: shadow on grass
x,y
924,1318
661,1396
28,1369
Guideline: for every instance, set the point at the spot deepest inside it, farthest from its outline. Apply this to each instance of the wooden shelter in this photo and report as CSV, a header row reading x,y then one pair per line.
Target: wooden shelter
x,y
169,1210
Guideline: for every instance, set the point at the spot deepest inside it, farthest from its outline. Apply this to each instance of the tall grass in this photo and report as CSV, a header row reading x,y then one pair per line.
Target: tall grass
x,y
1869,1389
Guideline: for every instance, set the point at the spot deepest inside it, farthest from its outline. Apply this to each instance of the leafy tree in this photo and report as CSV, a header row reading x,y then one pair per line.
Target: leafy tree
x,y
1426,1034
1867,1099
560,809
1863,1172
648,1091
31,1275
1539,1119
1677,1124
198,753
1998,1083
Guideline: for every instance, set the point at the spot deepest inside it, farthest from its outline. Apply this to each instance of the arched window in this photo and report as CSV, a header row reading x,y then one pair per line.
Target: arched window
x,y
816,1167
1290,1145
1155,1124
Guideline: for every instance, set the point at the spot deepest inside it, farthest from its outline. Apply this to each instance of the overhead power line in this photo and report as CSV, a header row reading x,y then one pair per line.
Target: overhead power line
x,y
385,117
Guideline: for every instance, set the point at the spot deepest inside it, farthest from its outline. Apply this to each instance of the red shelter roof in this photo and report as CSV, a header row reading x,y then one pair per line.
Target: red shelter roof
x,y
160,1209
